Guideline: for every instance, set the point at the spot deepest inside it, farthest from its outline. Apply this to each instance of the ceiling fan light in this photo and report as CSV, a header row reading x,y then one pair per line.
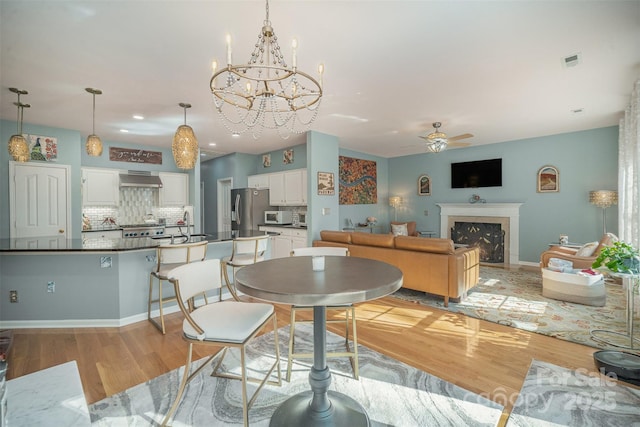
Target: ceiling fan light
x,y
18,148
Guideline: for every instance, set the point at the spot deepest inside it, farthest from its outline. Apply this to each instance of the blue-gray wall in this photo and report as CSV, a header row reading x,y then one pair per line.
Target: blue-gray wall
x,y
586,161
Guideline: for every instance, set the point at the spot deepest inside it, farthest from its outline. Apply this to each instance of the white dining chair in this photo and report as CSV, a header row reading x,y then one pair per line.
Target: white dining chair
x,y
227,324
348,310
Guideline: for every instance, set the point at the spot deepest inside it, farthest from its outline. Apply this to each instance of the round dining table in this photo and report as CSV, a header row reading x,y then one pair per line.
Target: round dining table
x,y
344,280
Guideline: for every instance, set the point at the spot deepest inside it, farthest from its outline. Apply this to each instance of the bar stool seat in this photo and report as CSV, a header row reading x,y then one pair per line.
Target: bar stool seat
x,y
168,258
245,251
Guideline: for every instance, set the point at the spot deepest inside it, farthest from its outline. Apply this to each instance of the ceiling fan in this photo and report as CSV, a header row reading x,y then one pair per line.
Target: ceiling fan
x,y
438,141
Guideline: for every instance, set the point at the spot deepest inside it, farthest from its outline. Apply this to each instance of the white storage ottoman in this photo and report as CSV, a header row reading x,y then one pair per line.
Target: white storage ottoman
x,y
572,287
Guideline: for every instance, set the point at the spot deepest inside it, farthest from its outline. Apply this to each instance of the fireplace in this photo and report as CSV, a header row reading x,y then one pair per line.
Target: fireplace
x,y
487,237
506,216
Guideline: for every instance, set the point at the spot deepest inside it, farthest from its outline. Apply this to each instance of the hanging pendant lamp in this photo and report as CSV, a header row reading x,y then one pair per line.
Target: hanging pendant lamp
x,y
94,144
185,144
17,145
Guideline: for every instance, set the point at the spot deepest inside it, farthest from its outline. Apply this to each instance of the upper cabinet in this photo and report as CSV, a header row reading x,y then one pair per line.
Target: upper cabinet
x,y
258,181
100,187
174,190
288,188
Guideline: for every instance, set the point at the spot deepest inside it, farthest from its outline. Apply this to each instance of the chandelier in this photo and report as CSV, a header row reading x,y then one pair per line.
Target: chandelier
x,y
17,145
437,141
265,92
185,144
94,144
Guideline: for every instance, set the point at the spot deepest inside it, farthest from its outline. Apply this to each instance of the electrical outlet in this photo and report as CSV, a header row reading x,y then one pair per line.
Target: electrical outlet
x,y
426,212
13,296
51,287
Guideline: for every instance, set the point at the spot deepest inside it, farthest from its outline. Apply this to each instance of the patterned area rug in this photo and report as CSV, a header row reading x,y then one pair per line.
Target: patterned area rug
x,y
556,396
394,394
514,298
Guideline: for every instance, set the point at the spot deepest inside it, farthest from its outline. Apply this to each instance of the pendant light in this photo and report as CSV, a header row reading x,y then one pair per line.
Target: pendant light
x,y
17,145
185,144
94,144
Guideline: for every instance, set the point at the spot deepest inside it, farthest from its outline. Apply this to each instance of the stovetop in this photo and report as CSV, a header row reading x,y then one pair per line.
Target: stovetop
x,y
144,225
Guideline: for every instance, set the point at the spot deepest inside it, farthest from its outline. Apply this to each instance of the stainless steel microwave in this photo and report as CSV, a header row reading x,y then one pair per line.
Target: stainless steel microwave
x,y
277,217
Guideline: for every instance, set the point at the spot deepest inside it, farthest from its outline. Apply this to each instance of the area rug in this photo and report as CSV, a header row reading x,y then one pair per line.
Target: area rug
x,y
555,396
514,298
393,393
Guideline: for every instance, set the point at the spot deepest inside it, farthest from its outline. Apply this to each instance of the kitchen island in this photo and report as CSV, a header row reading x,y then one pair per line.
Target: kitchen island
x,y
84,282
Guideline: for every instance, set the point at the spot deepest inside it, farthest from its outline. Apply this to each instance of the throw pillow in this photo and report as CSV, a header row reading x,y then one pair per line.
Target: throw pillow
x,y
399,229
587,249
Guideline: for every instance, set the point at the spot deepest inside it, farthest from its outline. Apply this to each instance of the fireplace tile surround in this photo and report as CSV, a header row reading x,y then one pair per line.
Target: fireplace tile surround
x,y
506,214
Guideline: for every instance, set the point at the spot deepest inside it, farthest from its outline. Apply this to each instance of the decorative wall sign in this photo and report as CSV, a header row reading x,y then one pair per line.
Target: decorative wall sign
x,y
287,156
326,184
358,181
266,160
548,179
424,185
43,148
135,156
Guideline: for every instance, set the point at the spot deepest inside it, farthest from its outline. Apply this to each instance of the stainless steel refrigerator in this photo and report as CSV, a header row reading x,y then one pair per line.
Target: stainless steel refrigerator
x,y
247,208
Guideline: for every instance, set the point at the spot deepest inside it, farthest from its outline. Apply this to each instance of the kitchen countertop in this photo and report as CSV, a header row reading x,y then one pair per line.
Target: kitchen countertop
x,y
88,244
297,227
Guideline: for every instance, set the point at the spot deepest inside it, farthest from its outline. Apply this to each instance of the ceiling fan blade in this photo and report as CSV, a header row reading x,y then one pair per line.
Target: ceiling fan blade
x,y
459,137
459,144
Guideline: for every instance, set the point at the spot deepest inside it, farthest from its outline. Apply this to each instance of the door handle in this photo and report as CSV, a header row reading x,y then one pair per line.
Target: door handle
x,y
61,231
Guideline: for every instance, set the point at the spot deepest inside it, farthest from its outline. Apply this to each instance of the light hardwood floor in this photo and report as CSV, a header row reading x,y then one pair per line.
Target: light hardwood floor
x,y
483,357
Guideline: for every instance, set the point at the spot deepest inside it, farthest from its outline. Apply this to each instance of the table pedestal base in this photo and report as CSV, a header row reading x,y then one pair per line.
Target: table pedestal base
x,y
296,411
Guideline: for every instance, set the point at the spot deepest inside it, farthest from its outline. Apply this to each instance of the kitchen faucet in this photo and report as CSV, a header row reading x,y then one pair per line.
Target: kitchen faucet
x,y
187,221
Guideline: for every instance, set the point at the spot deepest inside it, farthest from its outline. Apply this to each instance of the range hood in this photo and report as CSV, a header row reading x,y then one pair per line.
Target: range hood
x,y
140,179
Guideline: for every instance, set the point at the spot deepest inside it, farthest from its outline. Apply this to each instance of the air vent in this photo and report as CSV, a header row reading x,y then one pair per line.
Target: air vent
x,y
572,60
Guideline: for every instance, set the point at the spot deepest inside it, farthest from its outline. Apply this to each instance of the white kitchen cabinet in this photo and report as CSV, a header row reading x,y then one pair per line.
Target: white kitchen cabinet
x,y
276,189
286,240
174,190
288,188
100,187
258,181
104,234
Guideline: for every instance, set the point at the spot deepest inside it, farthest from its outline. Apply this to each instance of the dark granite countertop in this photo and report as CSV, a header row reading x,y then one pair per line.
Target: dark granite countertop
x,y
88,244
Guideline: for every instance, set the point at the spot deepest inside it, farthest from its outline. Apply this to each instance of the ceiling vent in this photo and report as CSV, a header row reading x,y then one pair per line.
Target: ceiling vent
x,y
572,60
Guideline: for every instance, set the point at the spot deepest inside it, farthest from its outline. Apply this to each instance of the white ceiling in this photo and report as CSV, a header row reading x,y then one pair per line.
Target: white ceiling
x,y
491,68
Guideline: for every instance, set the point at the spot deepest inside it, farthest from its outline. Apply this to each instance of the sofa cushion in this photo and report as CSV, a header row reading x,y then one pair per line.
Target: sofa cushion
x,y
335,236
411,227
587,249
399,229
421,244
368,239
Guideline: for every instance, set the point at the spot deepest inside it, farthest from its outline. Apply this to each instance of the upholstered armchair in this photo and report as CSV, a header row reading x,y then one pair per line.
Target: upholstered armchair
x,y
582,257
411,228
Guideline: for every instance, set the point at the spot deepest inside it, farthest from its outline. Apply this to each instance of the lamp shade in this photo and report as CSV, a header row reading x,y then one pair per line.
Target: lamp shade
x,y
94,145
395,201
18,148
185,147
603,198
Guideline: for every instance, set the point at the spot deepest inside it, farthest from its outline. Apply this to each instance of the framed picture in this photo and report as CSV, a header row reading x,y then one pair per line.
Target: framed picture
x,y
326,184
287,156
548,179
266,160
424,185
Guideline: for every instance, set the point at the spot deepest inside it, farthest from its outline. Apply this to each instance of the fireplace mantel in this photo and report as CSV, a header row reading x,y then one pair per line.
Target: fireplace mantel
x,y
499,210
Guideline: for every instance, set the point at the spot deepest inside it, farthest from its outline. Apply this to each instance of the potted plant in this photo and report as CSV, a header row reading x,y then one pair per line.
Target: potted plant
x,y
619,258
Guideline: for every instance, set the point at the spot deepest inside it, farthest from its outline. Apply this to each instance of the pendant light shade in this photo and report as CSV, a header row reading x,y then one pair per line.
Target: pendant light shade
x,y
17,145
185,144
94,144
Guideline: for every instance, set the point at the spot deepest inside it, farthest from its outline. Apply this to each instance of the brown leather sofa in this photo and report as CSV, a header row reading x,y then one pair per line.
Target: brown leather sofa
x,y
428,264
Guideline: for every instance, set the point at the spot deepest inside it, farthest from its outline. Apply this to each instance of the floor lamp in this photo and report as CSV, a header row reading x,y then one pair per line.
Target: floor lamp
x,y
603,199
395,202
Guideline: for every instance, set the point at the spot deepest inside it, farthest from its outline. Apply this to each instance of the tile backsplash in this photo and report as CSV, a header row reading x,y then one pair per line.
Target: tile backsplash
x,y
136,203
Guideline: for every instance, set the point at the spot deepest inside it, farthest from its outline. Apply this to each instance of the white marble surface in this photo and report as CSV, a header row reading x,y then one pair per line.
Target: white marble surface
x,y
52,396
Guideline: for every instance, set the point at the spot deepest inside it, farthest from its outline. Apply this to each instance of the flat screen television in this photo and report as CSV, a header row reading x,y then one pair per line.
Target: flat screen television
x,y
479,173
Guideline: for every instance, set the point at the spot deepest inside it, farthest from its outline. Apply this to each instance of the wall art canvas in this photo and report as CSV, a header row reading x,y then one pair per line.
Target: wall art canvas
x,y
287,157
43,148
266,160
135,156
548,179
326,184
424,185
358,181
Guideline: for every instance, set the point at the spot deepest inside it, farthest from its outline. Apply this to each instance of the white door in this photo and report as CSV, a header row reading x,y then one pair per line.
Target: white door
x,y
224,204
39,200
